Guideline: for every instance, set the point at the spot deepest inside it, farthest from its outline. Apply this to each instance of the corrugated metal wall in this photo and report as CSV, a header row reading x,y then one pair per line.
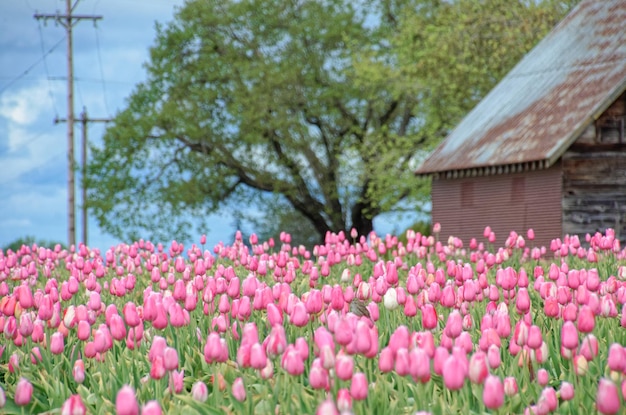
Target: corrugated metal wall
x,y
505,202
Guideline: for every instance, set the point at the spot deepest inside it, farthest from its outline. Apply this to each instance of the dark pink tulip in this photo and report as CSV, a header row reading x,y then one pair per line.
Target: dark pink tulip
x,y
493,392
157,348
125,402
362,337
23,392
74,406
359,386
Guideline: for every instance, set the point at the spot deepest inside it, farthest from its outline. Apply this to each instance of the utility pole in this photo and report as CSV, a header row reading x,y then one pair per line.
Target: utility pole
x,y
83,164
68,20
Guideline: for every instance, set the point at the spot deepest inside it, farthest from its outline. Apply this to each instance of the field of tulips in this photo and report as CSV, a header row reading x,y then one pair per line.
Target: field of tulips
x,y
360,324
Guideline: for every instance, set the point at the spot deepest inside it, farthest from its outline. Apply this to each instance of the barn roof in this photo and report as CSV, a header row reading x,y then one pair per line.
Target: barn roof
x,y
536,112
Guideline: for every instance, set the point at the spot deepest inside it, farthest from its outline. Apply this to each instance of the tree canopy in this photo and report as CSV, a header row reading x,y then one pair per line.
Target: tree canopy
x,y
313,112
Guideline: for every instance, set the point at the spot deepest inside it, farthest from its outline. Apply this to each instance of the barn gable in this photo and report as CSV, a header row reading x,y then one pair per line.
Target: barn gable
x,y
546,148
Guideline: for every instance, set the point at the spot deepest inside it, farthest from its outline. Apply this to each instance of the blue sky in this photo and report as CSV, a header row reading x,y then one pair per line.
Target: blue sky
x,y
108,63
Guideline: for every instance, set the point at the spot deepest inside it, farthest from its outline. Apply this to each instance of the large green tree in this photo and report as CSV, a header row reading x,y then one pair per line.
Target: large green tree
x,y
302,110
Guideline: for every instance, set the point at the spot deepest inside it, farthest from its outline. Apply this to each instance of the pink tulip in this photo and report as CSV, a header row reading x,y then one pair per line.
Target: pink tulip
x,y
170,358
78,372
493,392
117,327
566,391
344,366
151,408
199,391
239,390
73,406
23,392
386,360
617,358
454,324
535,338
125,401
453,375
586,319
318,376
299,316
542,377
327,407
510,386
131,316
292,362
359,386
176,381
569,335
429,317
478,370
548,398
57,344
419,365
344,400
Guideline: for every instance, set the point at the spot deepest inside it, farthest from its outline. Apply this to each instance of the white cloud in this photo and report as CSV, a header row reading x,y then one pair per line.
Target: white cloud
x,y
24,106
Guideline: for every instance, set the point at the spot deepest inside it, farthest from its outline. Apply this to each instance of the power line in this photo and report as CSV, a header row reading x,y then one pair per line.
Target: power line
x,y
26,71
68,20
45,64
104,92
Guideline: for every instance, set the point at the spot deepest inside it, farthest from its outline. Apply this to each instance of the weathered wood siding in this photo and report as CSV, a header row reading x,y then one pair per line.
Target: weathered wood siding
x,y
594,176
505,202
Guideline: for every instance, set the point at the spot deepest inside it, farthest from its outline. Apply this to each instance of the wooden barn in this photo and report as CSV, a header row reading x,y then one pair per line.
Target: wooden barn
x,y
546,148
